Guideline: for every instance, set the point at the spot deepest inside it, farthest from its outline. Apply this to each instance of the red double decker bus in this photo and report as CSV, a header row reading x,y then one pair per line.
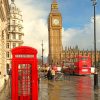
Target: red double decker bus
x,y
79,65
82,65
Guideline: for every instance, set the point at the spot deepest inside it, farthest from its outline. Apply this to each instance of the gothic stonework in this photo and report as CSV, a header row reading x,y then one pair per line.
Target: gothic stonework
x,y
56,53
55,34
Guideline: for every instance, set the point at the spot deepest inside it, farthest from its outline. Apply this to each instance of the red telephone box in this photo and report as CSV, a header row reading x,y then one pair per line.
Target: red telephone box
x,y
24,73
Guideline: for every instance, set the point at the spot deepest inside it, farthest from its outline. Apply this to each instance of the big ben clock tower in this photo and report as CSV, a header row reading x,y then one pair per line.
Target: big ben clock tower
x,y
55,34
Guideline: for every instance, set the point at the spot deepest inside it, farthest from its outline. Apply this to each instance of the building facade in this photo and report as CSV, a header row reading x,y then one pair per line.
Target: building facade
x,y
4,12
70,52
15,35
56,53
55,34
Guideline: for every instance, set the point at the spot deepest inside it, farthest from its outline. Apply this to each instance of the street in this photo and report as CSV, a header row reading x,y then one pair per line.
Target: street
x,y
5,94
72,88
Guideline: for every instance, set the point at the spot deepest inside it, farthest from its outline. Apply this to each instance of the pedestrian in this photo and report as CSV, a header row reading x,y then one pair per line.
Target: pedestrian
x,y
5,81
53,74
49,74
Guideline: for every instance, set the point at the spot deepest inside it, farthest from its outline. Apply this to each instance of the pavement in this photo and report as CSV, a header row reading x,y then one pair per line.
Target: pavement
x,y
70,88
5,94
2,81
73,88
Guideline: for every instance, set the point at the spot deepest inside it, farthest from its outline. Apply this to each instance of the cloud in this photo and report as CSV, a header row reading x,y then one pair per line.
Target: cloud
x,y
84,37
35,30
35,24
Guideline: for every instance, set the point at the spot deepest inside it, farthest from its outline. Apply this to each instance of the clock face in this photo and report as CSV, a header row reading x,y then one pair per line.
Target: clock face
x,y
55,21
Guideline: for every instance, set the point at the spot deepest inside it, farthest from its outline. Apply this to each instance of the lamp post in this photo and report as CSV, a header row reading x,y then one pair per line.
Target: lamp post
x,y
42,53
95,74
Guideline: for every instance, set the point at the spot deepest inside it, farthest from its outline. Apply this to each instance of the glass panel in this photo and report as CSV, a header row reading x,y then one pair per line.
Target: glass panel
x,y
24,79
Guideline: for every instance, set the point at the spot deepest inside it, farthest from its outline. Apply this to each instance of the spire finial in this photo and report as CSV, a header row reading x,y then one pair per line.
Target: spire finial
x,y
54,0
54,6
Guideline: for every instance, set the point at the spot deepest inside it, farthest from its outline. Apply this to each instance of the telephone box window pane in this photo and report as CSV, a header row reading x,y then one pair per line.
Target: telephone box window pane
x,y
24,79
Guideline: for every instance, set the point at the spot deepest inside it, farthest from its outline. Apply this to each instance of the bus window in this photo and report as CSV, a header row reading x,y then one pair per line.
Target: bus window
x,y
84,58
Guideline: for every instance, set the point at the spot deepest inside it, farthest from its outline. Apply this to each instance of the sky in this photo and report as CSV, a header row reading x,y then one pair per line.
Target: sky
x,y
77,19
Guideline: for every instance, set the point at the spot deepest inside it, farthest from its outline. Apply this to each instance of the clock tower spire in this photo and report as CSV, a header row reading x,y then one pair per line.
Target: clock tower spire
x,y
55,34
54,6
54,0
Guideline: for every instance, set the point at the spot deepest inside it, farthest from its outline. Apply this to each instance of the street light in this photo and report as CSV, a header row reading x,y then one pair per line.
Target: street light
x,y
95,74
42,53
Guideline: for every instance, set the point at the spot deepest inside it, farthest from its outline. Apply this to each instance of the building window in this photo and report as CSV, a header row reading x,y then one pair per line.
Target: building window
x,y
3,34
19,37
19,44
8,36
12,7
13,22
1,1
20,29
8,55
9,27
7,46
13,28
14,36
14,45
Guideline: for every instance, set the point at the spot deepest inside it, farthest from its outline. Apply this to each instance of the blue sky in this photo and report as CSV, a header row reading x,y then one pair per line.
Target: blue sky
x,y
77,13
77,27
